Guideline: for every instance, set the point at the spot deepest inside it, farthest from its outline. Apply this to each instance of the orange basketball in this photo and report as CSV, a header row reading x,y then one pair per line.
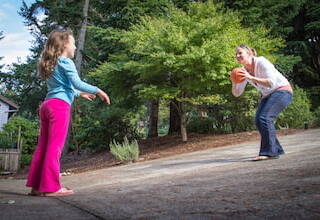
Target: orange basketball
x,y
235,75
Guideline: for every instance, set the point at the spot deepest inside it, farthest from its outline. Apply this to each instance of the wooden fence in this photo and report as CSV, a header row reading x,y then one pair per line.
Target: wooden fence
x,y
10,158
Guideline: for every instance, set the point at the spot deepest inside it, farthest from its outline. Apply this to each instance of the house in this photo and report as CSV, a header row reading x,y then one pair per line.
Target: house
x,y
7,109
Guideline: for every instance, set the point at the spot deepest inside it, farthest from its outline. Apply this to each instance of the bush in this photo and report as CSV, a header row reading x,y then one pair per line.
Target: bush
x,y
316,117
6,141
298,113
93,131
235,115
29,132
25,159
201,125
125,152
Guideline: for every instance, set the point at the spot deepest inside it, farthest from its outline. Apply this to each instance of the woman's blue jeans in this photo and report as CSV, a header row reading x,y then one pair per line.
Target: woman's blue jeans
x,y
268,110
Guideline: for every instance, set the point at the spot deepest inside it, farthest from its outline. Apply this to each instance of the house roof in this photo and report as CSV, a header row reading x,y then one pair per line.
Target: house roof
x,y
5,100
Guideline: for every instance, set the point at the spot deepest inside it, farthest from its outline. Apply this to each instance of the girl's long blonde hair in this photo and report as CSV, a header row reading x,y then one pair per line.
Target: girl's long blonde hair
x,y
52,50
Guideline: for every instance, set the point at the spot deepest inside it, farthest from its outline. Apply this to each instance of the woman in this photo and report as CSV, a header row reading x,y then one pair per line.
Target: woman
x,y
276,96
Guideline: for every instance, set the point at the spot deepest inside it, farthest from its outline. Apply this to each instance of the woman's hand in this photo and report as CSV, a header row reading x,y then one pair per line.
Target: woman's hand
x,y
103,96
261,81
240,70
88,96
246,75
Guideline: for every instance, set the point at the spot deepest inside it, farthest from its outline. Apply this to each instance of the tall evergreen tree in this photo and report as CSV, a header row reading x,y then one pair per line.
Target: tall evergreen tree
x,y
185,56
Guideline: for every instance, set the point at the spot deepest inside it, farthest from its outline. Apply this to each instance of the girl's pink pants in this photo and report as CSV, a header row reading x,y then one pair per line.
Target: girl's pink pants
x,y
44,174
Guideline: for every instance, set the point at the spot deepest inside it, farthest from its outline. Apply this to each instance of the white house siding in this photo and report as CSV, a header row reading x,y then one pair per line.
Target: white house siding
x,y
4,108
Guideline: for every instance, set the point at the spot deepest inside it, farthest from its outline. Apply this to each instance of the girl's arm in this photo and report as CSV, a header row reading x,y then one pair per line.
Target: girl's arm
x,y
88,96
103,96
72,74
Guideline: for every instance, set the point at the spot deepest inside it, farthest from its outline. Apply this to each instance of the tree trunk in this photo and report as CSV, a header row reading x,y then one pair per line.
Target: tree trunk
x,y
174,124
82,36
183,126
78,63
153,118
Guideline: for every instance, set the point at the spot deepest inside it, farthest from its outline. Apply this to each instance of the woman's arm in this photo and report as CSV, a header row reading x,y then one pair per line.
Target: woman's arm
x,y
262,81
238,88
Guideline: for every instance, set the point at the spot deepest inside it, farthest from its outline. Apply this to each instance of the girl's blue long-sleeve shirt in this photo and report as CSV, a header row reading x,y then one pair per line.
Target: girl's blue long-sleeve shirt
x,y
65,81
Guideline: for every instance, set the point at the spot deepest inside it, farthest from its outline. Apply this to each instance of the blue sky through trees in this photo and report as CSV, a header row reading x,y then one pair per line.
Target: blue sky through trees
x,y
17,39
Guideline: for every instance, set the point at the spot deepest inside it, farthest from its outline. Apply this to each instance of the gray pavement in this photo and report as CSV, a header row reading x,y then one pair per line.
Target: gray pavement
x,y
218,183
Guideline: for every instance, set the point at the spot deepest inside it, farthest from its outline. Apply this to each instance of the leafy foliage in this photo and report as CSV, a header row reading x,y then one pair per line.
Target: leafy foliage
x,y
24,87
185,56
236,114
97,125
298,111
316,115
29,132
275,15
6,140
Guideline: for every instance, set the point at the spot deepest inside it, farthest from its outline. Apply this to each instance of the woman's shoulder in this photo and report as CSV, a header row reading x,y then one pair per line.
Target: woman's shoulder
x,y
262,61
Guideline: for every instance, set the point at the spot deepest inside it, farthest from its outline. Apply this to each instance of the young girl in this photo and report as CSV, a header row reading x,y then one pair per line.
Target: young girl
x,y
62,78
276,96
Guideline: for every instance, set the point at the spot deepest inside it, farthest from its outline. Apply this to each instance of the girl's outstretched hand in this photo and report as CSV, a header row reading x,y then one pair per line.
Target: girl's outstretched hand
x,y
87,95
103,96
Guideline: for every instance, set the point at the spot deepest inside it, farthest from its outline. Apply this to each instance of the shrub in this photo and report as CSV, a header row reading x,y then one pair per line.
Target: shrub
x,y
29,134
6,141
201,125
125,152
25,159
298,113
235,115
93,131
316,114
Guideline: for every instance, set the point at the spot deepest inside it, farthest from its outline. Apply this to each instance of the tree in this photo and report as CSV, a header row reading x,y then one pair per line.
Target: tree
x,y
274,15
111,17
304,41
186,56
1,37
21,81
82,35
153,118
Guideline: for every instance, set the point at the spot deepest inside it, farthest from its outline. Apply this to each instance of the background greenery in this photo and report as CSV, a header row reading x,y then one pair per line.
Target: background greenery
x,y
176,53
